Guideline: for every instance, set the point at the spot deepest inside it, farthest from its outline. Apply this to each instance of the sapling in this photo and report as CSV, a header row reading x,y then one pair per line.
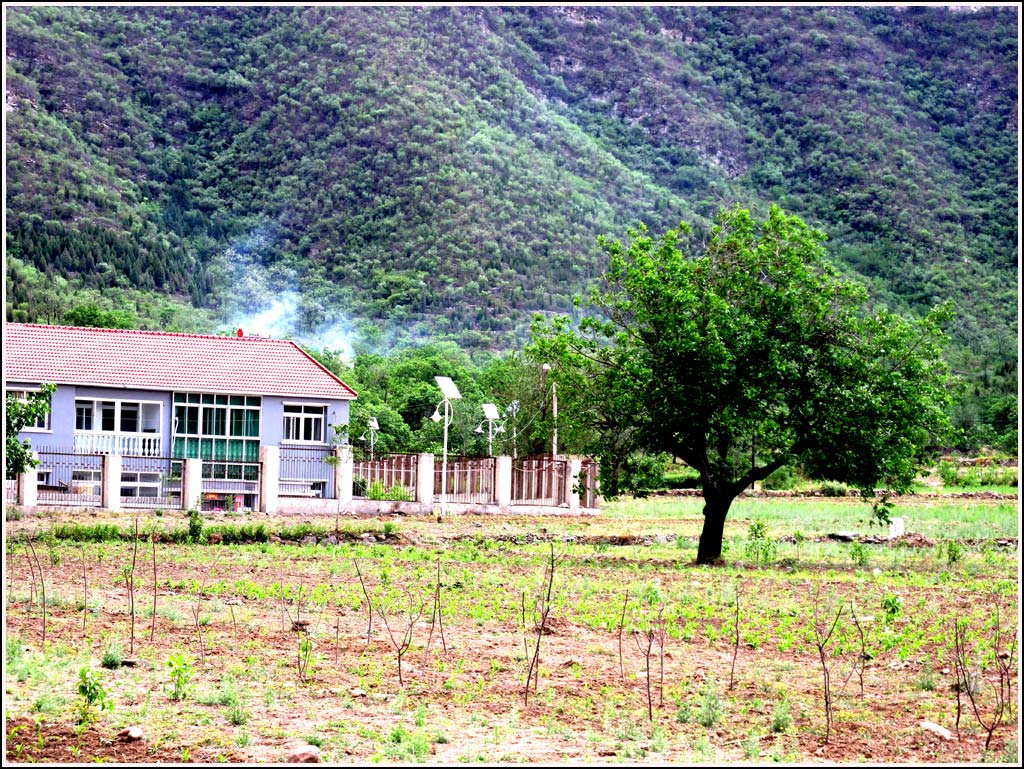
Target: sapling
x,y
42,586
436,614
736,633
544,608
152,627
823,629
971,683
404,639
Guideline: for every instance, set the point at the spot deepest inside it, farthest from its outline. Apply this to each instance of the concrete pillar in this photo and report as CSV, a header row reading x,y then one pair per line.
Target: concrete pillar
x,y
191,484
110,487
28,486
270,478
425,479
343,469
574,466
503,481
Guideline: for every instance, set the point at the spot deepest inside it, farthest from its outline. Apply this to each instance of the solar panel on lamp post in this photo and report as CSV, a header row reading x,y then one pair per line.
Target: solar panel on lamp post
x,y
450,393
490,414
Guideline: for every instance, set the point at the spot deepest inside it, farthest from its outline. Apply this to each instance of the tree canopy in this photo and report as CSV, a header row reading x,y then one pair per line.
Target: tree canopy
x,y
742,353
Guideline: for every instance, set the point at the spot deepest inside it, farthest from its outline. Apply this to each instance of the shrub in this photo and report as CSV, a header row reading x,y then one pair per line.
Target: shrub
x,y
182,669
195,525
781,718
829,489
859,554
93,696
113,655
760,548
710,705
782,479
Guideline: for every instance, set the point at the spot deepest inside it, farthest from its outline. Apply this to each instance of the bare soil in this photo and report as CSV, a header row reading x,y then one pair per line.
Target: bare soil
x,y
463,697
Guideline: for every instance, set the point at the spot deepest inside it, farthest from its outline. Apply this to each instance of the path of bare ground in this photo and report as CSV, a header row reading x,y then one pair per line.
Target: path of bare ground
x,y
461,700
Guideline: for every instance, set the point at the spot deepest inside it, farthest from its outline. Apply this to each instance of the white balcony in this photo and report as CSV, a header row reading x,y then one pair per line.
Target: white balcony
x,y
123,444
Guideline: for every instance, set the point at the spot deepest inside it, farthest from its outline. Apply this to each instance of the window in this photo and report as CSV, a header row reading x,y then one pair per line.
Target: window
x,y
225,428
43,423
304,424
83,415
140,484
131,417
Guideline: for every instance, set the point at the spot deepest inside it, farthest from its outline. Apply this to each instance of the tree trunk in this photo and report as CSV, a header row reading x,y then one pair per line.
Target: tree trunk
x,y
716,508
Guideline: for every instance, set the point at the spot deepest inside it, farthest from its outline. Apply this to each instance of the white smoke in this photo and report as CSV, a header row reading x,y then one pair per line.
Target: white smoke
x,y
266,301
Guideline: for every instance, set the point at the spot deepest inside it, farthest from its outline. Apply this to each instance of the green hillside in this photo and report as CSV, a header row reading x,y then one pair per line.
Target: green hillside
x,y
407,173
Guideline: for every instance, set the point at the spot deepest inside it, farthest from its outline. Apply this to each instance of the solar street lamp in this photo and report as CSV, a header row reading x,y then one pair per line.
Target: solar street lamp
x,y
491,415
450,393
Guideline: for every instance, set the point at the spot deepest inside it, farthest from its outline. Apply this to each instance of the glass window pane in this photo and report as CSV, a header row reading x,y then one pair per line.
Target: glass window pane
x,y
220,449
252,451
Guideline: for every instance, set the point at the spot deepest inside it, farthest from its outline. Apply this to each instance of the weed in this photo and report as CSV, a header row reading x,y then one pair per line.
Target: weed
x,y
113,655
926,681
182,669
892,605
710,705
859,554
781,717
954,552
760,548
93,696
752,747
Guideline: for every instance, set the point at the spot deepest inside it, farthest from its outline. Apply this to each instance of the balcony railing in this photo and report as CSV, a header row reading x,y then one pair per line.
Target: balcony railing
x,y
113,443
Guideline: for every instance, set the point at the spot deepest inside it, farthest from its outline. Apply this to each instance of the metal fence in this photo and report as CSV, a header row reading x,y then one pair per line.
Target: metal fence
x,y
469,481
11,491
231,485
306,471
66,478
387,476
588,483
150,482
538,481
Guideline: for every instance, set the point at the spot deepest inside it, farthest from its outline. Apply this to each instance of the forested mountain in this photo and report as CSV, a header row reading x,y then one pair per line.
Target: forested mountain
x,y
423,172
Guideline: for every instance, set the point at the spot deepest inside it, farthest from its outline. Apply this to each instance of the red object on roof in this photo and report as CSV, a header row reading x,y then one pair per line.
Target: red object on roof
x,y
157,360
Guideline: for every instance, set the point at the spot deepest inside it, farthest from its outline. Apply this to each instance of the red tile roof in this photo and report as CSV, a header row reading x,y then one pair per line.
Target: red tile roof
x,y
157,360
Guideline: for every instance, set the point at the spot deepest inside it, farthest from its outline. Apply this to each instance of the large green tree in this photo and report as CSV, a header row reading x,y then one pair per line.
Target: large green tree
x,y
744,352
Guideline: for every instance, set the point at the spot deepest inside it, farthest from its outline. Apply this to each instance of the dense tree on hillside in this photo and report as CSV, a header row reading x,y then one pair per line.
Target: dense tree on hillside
x,y
745,354
442,172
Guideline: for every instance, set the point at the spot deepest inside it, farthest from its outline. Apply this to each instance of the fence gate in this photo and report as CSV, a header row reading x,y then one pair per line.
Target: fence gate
x,y
150,482
538,481
470,481
588,483
231,485
66,478
386,476
306,471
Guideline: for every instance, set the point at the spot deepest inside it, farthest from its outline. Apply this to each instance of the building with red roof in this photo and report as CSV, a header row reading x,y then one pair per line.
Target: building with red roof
x,y
165,396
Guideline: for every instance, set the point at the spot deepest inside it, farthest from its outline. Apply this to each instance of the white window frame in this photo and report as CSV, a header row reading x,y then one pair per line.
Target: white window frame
x,y
143,479
22,394
300,419
97,418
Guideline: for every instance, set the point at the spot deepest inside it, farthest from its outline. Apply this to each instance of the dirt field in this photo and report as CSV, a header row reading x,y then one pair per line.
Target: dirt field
x,y
254,696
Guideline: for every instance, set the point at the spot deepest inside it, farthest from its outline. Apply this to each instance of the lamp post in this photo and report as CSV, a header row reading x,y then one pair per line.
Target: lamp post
x,y
490,416
513,409
450,393
554,408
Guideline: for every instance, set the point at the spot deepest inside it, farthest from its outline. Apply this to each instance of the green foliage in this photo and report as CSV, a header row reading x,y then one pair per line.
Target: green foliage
x,y
859,554
760,548
397,493
182,669
783,479
954,552
92,696
741,352
113,654
710,705
170,152
195,525
19,414
892,605
782,719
